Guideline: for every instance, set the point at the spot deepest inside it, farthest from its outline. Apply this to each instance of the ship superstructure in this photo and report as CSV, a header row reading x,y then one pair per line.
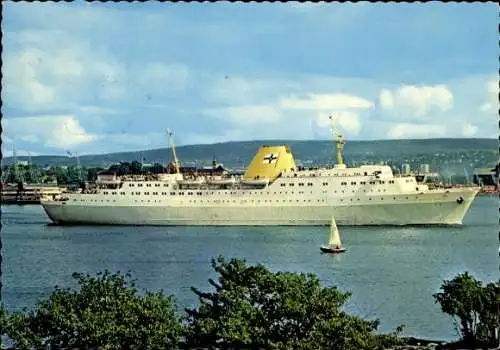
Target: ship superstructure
x,y
272,191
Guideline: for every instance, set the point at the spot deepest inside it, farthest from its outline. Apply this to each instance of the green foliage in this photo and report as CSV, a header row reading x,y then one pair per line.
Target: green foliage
x,y
255,308
251,308
475,309
106,312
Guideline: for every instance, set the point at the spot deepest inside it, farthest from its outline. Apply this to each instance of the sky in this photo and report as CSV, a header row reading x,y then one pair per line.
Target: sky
x,y
109,77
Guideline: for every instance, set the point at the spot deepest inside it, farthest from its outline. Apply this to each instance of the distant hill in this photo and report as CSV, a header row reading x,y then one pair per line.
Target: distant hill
x,y
239,153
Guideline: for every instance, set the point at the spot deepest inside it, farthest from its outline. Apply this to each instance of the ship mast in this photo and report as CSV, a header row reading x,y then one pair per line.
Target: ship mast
x,y
172,146
339,141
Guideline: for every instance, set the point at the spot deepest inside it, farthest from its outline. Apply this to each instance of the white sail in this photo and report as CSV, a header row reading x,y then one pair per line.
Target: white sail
x,y
334,239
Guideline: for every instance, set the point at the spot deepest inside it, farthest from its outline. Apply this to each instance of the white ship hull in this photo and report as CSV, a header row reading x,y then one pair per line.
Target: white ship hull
x,y
436,208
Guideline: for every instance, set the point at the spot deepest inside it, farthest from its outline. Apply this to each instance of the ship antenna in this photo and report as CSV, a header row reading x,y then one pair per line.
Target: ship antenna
x,y
339,141
172,146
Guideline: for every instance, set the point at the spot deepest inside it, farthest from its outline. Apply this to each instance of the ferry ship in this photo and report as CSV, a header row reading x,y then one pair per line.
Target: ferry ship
x,y
272,191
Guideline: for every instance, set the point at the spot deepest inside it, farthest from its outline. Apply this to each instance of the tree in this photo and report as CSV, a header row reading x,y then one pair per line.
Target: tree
x,y
106,312
61,175
136,167
92,173
474,309
255,308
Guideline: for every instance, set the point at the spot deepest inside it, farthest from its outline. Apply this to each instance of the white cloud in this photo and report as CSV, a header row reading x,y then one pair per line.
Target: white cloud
x,y
58,131
247,115
401,131
419,101
491,104
347,120
22,83
50,70
325,102
469,130
40,75
386,99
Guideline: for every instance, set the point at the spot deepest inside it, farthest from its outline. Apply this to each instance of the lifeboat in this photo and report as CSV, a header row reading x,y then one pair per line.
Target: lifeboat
x,y
255,182
191,182
221,181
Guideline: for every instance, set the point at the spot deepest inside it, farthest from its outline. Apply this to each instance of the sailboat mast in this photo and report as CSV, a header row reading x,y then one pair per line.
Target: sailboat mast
x,y
334,239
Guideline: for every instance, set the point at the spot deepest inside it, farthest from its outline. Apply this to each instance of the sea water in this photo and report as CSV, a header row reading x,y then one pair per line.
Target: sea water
x,y
391,272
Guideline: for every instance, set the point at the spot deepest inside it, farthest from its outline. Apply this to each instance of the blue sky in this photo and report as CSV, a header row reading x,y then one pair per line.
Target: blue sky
x,y
97,78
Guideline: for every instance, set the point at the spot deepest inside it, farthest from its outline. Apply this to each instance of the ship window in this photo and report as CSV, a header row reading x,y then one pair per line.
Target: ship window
x,y
172,193
382,182
353,183
138,193
366,173
155,193
363,182
105,193
131,185
283,185
301,184
146,193
139,185
148,185
372,182
309,184
165,185
122,193
157,185
292,184
113,192
325,183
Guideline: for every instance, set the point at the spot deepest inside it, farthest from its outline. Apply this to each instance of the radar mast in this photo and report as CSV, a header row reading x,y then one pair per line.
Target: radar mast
x,y
172,146
339,141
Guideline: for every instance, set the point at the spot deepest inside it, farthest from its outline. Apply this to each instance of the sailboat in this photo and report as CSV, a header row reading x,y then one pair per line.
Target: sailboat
x,y
334,243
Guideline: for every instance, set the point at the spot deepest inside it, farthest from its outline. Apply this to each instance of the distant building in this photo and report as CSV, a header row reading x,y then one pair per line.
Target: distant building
x,y
406,169
424,168
486,176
